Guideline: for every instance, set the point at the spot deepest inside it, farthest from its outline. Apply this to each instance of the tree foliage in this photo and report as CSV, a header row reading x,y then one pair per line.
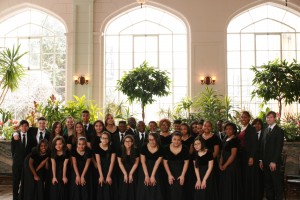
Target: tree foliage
x,y
277,80
11,71
143,84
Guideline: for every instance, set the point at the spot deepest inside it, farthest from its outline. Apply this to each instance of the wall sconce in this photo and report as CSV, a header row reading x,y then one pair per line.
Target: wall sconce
x,y
208,80
81,80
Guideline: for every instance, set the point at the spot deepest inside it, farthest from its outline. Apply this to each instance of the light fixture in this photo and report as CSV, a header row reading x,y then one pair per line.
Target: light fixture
x,y
141,2
81,80
208,80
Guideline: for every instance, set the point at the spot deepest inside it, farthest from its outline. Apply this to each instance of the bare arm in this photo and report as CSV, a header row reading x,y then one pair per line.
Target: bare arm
x,y
216,151
231,158
65,179
74,163
111,166
134,167
42,164
198,183
167,168
145,170
123,169
36,177
53,164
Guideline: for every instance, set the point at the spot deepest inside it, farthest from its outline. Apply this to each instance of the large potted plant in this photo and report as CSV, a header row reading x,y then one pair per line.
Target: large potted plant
x,y
143,83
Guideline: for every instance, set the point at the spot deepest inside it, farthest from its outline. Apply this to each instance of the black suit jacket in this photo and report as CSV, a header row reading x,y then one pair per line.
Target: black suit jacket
x,y
89,132
272,145
137,141
18,151
130,132
34,131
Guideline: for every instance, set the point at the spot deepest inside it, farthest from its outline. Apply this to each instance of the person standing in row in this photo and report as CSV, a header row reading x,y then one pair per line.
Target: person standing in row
x,y
142,137
176,161
40,132
270,158
88,127
22,143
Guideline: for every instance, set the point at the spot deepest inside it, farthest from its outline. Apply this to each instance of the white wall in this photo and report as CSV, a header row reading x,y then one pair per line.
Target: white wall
x,y
85,20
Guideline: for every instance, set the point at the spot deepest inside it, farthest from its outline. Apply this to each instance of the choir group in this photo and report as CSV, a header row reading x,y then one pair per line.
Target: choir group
x,y
103,161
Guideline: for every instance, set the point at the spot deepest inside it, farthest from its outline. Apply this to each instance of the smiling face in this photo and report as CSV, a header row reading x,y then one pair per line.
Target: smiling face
x,y
152,141
59,145
141,126
109,120
184,130
24,128
271,119
57,129
207,127
42,124
197,145
176,141
104,139
229,131
194,128
152,127
245,119
99,127
70,123
79,129
164,127
81,145
85,117
128,142
43,147
257,126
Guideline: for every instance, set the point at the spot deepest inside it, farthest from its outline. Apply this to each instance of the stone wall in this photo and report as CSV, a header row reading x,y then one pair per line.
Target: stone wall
x,y
5,157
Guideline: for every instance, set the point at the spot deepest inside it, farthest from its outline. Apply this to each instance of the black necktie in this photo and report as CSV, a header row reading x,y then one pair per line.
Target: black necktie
x,y
269,131
122,136
41,136
143,138
24,140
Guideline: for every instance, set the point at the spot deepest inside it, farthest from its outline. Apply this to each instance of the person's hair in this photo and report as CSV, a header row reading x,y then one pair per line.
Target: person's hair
x,y
177,121
191,126
246,113
209,122
233,126
55,124
106,118
220,121
53,150
257,120
122,122
75,138
187,127
133,154
23,122
86,112
164,121
176,133
203,147
152,122
41,118
271,113
156,138
201,122
94,133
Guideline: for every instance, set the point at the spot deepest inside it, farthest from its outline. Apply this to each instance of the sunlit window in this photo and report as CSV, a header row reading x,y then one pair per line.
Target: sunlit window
x,y
155,36
255,37
42,36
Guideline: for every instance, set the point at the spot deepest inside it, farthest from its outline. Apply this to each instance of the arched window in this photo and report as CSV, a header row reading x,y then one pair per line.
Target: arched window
x,y
146,34
256,36
42,36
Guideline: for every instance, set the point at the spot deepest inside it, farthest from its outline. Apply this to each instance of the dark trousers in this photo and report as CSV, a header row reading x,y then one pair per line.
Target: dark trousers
x,y
17,172
273,183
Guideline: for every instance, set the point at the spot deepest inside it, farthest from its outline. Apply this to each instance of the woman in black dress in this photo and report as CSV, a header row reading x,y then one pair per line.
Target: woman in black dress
x,y
230,183
110,125
203,165
59,161
105,157
188,140
128,159
34,171
81,159
248,158
194,130
69,128
149,180
176,161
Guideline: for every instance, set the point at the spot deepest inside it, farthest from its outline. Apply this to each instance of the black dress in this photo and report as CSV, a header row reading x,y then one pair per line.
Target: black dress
x,y
165,140
176,163
128,190
230,179
31,189
79,192
105,192
59,191
190,178
150,192
210,144
209,193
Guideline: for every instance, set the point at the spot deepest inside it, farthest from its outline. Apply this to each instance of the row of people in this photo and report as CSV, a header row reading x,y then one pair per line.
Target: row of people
x,y
232,173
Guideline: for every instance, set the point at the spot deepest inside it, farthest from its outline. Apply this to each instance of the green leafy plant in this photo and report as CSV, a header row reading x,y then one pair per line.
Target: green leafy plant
x,y
143,84
290,127
183,108
5,115
277,80
11,71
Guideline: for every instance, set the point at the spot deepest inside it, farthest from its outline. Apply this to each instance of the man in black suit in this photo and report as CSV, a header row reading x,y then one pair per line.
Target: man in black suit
x,y
40,132
142,137
270,158
131,126
117,138
21,144
88,127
